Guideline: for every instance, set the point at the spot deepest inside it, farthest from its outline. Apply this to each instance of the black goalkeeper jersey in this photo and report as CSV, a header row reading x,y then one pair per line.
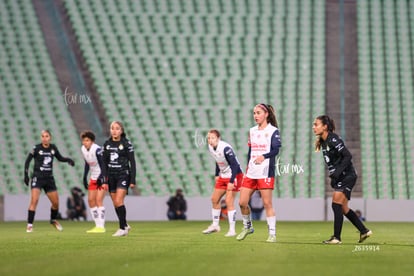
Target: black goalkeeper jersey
x,y
337,157
119,158
43,164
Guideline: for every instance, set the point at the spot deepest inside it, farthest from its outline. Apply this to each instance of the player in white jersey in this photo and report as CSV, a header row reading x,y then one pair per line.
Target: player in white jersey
x,y
92,154
264,144
229,177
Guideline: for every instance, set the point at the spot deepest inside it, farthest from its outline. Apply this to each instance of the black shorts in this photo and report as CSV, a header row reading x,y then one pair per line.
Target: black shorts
x,y
46,183
345,184
118,181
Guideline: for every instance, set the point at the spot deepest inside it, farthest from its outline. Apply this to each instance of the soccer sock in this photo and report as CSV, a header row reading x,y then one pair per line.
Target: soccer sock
x,y
247,221
101,216
94,214
232,220
271,224
121,212
215,213
30,216
356,221
53,214
338,219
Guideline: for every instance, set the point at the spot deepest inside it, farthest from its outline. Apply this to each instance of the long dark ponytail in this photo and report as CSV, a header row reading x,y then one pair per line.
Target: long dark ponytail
x,y
271,118
326,121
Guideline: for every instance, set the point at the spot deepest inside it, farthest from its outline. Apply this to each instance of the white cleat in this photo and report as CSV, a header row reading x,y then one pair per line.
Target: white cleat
x,y
120,233
211,229
231,234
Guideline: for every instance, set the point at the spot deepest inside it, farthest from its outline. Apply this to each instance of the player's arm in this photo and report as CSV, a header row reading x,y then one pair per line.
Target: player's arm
x,y
231,159
26,167
217,170
132,163
344,160
85,175
99,157
274,146
63,159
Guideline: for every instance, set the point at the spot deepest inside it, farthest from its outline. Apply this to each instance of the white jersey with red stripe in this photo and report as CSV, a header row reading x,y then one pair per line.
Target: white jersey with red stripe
x,y
92,160
260,142
219,155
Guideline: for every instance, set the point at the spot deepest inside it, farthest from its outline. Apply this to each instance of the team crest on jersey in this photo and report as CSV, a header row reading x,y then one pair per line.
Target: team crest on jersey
x,y
53,152
121,147
41,152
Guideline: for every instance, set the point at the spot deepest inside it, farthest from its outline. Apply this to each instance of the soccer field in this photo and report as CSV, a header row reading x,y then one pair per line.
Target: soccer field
x,y
179,248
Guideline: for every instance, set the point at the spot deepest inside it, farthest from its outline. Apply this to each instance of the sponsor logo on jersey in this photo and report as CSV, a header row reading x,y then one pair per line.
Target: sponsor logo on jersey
x,y
121,147
114,156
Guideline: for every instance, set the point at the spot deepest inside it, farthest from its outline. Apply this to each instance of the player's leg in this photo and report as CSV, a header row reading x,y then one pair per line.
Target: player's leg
x,y
338,199
54,210
100,195
267,197
93,208
231,212
353,218
118,201
34,200
215,211
246,191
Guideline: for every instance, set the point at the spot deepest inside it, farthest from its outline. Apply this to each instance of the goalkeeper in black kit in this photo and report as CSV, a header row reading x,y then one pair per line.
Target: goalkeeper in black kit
x,y
343,177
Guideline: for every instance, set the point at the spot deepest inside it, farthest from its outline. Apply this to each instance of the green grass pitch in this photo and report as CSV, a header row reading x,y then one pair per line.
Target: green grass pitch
x,y
179,248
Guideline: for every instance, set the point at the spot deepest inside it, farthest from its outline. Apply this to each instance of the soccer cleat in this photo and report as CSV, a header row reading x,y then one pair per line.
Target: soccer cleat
x,y
244,233
128,227
57,225
364,236
29,228
211,229
271,238
230,234
96,230
332,240
120,233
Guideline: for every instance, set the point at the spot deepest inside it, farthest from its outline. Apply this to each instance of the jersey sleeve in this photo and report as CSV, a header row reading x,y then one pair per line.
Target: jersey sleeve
x,y
275,145
345,156
131,157
59,156
232,160
28,160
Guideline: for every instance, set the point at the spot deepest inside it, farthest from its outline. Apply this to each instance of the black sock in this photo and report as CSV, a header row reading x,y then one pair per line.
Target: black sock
x,y
338,219
53,214
121,212
356,221
30,216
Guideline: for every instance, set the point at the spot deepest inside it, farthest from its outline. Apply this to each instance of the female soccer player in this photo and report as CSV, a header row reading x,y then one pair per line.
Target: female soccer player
x,y
92,154
264,144
229,177
42,178
119,172
343,176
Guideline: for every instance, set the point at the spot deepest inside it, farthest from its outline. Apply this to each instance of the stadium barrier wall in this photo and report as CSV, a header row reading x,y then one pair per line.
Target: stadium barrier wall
x,y
153,208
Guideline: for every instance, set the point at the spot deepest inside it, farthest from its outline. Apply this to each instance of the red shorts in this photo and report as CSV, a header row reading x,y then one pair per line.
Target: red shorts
x,y
221,183
259,184
93,186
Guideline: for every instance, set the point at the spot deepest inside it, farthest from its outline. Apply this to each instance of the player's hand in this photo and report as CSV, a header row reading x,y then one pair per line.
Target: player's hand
x,y
71,162
101,180
26,180
230,187
85,183
132,186
259,159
